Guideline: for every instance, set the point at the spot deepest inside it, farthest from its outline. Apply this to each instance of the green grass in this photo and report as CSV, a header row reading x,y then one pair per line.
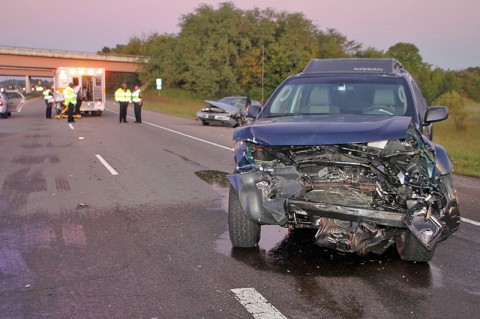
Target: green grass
x,y
462,146
173,102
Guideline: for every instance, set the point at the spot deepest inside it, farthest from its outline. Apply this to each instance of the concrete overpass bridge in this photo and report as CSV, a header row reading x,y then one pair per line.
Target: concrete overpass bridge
x,y
30,62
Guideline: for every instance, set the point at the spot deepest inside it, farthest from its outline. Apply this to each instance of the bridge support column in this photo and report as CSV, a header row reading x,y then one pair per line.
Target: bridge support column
x,y
28,84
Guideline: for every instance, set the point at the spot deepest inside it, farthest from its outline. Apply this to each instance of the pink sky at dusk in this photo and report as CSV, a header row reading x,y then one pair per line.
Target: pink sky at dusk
x,y
445,31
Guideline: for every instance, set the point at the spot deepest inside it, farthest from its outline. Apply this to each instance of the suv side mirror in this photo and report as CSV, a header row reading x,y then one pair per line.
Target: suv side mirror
x,y
252,111
435,114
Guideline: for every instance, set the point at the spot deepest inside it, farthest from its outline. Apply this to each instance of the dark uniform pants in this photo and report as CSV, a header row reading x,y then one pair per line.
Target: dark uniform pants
x,y
137,108
77,106
71,108
123,111
48,112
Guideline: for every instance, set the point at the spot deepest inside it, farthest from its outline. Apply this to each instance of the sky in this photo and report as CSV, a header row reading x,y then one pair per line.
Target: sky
x,y
446,31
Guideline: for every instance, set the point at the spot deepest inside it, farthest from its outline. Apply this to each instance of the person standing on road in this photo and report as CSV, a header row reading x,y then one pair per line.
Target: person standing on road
x,y
79,101
137,104
70,101
47,95
123,96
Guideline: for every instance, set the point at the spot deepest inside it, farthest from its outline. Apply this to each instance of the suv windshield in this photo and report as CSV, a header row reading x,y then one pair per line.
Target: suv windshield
x,y
341,95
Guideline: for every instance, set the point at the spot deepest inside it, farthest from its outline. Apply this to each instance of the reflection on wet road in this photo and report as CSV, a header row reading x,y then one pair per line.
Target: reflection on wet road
x,y
294,254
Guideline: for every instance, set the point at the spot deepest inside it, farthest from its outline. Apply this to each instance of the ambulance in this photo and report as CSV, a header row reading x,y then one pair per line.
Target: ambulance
x,y
88,83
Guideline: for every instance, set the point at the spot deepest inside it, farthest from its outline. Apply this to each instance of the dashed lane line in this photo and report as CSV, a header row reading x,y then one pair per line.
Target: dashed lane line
x,y
71,126
256,304
104,162
180,133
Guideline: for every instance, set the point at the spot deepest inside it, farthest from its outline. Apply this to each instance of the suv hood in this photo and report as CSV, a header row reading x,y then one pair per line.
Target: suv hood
x,y
301,130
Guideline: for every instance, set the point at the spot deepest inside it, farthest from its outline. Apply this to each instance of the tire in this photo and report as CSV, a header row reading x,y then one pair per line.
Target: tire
x,y
205,123
243,232
99,113
4,115
239,122
9,113
451,218
410,249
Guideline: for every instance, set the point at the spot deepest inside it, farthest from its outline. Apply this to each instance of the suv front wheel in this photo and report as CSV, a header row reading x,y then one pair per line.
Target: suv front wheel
x,y
243,232
410,249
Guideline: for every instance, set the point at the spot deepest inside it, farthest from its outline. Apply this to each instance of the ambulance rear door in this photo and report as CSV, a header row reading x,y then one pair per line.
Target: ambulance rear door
x,y
99,92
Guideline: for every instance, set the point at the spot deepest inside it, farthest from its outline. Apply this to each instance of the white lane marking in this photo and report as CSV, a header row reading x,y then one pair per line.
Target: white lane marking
x,y
256,304
104,162
466,220
71,126
180,133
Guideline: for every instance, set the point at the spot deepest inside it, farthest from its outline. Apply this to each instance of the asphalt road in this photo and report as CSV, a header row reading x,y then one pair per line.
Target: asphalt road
x,y
77,241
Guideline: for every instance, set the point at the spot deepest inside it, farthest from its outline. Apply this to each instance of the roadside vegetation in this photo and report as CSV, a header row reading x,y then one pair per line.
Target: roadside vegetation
x,y
462,145
173,102
221,51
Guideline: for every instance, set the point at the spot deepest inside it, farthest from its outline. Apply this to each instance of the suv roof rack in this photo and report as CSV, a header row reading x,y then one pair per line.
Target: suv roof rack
x,y
354,65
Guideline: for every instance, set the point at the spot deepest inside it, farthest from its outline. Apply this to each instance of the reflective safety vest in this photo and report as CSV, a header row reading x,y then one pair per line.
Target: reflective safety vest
x,y
123,95
137,96
47,94
69,96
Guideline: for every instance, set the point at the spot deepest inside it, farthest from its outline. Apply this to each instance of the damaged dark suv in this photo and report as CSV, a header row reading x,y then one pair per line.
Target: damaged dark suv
x,y
345,147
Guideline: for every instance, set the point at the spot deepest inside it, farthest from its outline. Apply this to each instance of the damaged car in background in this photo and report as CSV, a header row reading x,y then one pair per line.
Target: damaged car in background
x,y
228,111
345,148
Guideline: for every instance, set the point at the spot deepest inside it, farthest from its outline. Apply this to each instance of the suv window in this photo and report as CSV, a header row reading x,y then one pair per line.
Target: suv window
x,y
342,95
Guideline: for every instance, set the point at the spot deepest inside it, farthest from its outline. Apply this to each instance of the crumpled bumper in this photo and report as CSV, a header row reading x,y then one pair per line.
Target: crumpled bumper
x,y
264,202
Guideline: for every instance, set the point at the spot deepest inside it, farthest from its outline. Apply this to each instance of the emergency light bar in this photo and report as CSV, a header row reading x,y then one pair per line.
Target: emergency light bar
x,y
80,71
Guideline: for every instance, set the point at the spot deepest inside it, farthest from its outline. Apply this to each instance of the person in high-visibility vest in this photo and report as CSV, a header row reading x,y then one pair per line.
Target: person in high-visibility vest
x,y
47,95
70,101
123,96
137,104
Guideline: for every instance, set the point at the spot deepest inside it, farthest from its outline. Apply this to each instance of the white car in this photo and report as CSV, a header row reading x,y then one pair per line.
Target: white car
x,y
10,101
229,111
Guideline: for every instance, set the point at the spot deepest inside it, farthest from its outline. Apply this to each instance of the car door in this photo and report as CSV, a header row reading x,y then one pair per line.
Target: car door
x,y
15,101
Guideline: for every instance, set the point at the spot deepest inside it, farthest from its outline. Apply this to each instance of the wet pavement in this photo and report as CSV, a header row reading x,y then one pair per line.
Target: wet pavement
x,y
77,242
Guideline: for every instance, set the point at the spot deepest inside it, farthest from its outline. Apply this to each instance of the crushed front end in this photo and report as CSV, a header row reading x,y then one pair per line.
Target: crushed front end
x,y
362,197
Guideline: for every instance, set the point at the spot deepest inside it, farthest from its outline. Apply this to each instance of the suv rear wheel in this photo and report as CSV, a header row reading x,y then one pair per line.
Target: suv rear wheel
x,y
243,232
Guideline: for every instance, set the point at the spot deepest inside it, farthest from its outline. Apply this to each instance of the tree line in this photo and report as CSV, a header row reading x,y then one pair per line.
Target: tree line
x,y
221,51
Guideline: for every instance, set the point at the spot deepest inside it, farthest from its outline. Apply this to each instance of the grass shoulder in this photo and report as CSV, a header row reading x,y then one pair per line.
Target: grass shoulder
x,y
462,146
173,102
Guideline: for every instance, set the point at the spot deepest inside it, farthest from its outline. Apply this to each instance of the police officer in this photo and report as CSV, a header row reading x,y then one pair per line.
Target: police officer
x,y
70,101
123,96
137,104
79,103
47,95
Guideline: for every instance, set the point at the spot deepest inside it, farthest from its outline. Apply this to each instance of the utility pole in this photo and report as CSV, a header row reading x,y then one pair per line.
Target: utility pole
x,y
263,69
